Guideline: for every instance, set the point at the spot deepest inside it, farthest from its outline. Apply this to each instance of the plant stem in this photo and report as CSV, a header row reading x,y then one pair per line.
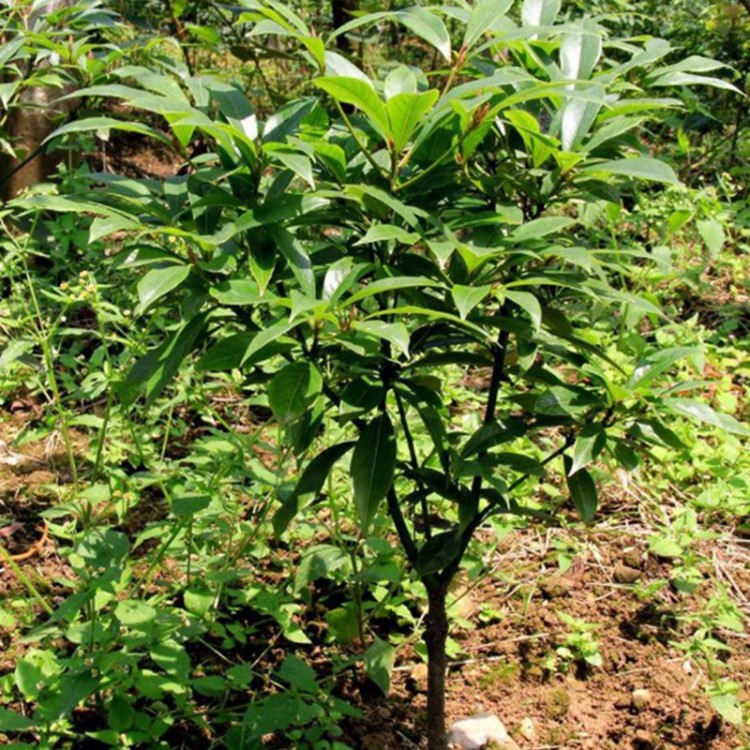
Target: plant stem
x,y
435,638
11,563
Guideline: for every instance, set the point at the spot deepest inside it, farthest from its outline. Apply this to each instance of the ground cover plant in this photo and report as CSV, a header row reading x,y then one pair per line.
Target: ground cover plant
x,y
302,387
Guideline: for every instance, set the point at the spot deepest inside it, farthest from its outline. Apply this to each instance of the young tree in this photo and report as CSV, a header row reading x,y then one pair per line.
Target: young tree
x,y
357,263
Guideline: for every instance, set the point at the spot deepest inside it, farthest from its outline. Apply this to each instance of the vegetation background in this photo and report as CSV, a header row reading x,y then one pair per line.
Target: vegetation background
x,y
366,365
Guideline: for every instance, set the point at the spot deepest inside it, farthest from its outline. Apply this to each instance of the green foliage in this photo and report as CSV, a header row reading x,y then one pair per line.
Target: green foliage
x,y
421,286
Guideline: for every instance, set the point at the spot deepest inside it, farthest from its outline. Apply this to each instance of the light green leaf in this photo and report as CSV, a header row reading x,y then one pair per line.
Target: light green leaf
x,y
729,708
406,112
538,228
372,468
466,298
702,412
394,333
386,233
484,15
429,27
133,612
158,283
379,659
639,168
580,50
359,94
712,233
540,12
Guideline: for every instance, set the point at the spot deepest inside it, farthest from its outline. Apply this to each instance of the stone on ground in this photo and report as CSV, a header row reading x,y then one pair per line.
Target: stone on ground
x,y
479,731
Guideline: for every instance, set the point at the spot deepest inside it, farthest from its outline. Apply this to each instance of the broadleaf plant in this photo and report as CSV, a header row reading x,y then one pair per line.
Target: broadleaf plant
x,y
372,241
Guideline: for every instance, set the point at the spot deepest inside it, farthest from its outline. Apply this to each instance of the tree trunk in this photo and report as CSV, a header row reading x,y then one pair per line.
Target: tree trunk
x,y
36,115
435,637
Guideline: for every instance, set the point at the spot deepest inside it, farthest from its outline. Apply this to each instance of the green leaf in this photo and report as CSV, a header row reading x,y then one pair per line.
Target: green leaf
x,y
439,552
120,714
580,50
158,283
658,363
466,298
379,660
227,354
212,686
639,168
292,390
267,336
564,401
538,228
156,368
88,124
262,263
406,112
429,27
484,15
236,292
529,304
391,284
310,484
372,468
702,412
359,94
588,446
10,721
188,505
540,12
582,491
691,79
729,708
386,233
299,674
394,333
133,613
713,236
319,562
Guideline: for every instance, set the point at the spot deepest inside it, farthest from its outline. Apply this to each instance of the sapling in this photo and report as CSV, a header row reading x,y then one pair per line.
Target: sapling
x,y
368,244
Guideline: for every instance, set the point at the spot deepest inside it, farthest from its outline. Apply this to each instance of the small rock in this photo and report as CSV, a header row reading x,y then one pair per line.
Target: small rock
x,y
625,574
418,674
478,731
527,729
383,712
632,558
643,740
641,698
555,587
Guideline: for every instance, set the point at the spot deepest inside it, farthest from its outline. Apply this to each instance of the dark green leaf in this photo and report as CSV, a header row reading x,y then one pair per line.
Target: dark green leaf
x,y
310,484
292,390
373,466
583,492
